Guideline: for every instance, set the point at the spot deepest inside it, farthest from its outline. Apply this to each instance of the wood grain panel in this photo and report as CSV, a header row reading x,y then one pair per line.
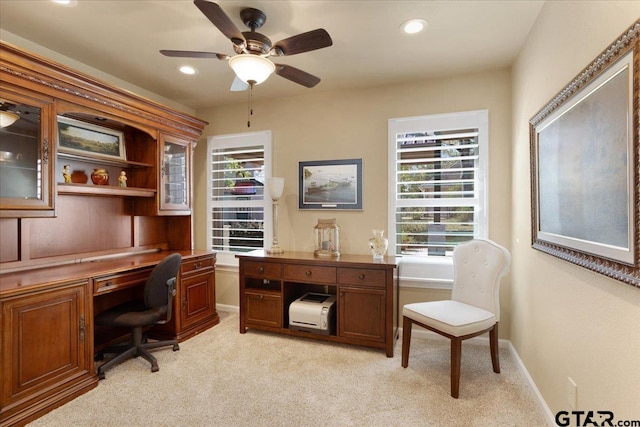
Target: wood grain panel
x,y
84,224
9,249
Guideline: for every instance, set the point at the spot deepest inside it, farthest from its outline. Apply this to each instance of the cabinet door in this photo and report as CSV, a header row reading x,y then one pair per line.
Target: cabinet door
x,y
362,314
26,154
198,299
263,309
175,174
47,346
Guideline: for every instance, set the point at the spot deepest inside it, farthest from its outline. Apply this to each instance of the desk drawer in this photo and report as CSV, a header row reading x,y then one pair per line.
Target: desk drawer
x,y
262,269
362,277
310,273
116,282
196,265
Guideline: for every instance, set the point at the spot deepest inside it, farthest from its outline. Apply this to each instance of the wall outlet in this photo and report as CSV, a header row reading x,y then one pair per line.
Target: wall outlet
x,y
572,393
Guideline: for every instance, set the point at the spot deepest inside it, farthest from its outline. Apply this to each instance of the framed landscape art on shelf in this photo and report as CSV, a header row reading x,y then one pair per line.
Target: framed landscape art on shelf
x,y
86,139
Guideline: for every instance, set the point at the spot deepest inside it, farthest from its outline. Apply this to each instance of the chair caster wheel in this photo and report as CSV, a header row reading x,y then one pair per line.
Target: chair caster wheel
x,y
176,347
154,369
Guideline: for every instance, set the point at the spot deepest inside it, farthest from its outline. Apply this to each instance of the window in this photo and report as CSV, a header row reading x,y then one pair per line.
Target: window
x,y
437,184
239,214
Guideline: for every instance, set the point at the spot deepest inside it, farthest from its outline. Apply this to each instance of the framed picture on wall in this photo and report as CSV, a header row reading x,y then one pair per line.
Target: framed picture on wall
x,y
330,184
584,163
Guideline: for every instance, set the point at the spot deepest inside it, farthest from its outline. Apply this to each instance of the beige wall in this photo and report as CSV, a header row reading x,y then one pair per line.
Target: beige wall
x,y
568,321
353,124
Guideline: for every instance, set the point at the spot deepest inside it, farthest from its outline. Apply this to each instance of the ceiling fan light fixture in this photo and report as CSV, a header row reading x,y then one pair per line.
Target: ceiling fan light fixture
x,y
7,118
249,67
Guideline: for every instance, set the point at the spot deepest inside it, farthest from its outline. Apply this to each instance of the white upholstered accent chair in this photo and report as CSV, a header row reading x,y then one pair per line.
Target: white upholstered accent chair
x,y
474,307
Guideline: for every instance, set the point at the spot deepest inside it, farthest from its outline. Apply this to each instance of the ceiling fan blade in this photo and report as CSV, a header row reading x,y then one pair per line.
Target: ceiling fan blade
x,y
305,42
238,85
192,54
296,75
216,15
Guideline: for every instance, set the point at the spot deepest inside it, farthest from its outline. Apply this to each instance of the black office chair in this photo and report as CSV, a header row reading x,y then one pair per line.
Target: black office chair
x,y
159,291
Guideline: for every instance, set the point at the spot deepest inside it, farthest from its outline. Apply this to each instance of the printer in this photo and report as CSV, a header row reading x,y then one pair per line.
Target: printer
x,y
313,312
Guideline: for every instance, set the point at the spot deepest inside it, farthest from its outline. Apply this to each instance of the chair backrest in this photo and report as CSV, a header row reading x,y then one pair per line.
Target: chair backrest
x,y
478,266
155,290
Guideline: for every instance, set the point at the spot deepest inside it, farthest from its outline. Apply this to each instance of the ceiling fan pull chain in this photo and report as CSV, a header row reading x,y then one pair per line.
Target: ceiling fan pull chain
x,y
250,111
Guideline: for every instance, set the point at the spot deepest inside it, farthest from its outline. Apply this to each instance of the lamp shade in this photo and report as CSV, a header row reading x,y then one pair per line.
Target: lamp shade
x,y
275,186
7,118
250,67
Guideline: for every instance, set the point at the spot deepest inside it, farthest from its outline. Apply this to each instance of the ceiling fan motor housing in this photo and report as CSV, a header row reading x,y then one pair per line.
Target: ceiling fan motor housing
x,y
255,43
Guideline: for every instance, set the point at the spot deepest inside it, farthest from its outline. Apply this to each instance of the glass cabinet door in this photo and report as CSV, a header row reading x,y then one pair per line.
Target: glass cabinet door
x,y
175,174
25,156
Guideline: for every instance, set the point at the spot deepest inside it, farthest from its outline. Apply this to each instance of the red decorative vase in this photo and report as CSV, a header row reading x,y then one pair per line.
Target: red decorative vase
x,y
100,177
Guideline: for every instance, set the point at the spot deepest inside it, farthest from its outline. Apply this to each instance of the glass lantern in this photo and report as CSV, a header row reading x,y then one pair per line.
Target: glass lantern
x,y
327,238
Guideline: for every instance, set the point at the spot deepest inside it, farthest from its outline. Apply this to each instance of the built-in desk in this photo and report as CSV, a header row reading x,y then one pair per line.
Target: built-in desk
x,y
366,290
48,337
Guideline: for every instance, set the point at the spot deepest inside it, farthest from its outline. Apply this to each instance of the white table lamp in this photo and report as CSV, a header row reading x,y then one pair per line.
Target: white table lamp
x,y
275,187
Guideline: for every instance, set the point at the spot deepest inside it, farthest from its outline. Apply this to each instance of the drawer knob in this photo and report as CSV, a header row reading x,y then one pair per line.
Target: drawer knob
x,y
361,276
109,283
307,273
261,269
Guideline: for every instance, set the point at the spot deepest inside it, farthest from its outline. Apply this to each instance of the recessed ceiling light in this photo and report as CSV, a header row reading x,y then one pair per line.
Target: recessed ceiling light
x,y
413,26
66,2
185,69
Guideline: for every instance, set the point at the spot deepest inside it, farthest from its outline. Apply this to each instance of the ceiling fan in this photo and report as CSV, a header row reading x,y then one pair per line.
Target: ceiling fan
x,y
251,63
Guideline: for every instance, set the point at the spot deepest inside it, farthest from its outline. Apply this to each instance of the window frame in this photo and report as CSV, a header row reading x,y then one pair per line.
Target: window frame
x,y
239,140
437,271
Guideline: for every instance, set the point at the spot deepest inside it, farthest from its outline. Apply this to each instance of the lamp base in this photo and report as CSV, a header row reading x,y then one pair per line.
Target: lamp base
x,y
275,250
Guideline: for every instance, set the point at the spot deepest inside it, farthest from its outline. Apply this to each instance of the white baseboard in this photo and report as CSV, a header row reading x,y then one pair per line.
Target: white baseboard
x,y
228,308
541,401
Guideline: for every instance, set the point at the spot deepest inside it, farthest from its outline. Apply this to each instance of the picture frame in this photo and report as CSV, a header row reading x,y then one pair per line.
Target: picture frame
x,y
585,154
330,184
86,139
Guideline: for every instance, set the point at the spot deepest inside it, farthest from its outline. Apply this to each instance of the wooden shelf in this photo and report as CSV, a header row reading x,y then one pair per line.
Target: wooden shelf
x,y
100,161
104,190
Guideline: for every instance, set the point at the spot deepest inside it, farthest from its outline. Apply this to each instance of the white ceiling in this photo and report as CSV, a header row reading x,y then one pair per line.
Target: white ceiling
x,y
123,37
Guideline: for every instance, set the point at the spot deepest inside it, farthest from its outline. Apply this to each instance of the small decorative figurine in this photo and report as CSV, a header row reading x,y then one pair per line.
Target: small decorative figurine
x,y
66,173
122,179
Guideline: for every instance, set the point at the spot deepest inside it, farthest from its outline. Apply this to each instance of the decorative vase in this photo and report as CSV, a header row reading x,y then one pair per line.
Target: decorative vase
x,y
100,177
378,244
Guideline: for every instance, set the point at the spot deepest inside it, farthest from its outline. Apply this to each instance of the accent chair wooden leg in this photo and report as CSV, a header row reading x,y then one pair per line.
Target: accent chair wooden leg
x,y
456,350
495,352
406,340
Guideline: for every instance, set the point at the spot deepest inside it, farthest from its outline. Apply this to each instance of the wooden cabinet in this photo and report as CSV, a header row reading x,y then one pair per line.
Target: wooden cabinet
x,y
72,248
194,305
367,303
197,298
47,350
26,154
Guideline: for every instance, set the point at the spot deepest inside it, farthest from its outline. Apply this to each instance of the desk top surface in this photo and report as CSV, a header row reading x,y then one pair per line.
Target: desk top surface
x,y
20,281
306,257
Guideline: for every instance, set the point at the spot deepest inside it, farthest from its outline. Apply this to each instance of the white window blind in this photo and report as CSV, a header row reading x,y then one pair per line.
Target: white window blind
x,y
238,167
437,180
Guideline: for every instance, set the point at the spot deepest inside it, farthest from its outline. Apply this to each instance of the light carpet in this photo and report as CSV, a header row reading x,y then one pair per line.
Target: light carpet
x,y
224,378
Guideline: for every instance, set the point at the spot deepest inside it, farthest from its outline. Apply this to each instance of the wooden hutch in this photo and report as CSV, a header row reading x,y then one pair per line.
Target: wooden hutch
x,y
70,248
